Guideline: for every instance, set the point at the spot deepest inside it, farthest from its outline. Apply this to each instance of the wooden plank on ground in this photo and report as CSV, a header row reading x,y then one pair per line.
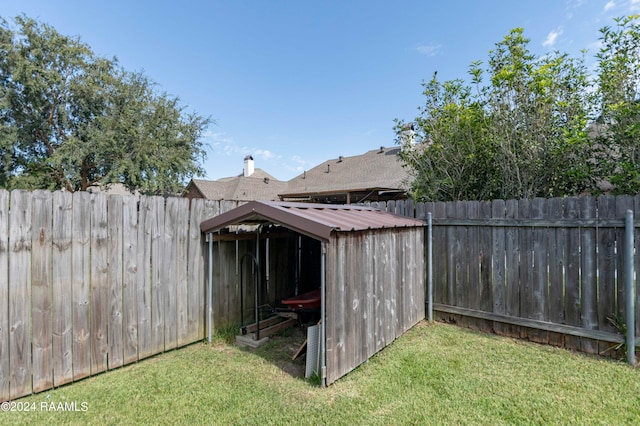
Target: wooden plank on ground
x,y
62,344
41,288
20,294
4,295
80,283
131,274
114,273
143,286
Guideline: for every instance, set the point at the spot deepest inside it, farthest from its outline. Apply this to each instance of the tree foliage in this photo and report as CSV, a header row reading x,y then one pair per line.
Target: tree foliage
x,y
523,126
70,119
619,96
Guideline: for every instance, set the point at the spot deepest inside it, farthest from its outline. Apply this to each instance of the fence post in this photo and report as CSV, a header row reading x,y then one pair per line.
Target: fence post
x,y
429,267
629,292
210,288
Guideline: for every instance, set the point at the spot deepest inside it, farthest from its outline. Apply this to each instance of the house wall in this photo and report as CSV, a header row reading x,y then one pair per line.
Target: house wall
x,y
374,293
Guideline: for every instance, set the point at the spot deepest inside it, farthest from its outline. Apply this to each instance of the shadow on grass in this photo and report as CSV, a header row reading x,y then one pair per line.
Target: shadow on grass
x,y
279,350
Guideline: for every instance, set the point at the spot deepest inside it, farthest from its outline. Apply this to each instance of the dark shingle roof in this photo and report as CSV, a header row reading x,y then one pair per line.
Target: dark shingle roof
x,y
259,186
376,169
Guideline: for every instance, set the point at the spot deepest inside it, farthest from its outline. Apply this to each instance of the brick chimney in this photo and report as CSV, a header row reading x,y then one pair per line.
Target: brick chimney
x,y
248,166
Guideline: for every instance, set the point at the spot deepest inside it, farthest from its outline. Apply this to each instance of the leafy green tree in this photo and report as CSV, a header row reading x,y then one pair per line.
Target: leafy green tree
x,y
518,130
70,119
619,91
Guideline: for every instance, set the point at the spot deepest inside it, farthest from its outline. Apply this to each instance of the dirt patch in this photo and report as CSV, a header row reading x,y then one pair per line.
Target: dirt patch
x,y
281,348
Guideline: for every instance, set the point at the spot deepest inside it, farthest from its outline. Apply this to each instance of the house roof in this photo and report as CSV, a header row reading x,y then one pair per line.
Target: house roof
x,y
378,169
259,186
318,221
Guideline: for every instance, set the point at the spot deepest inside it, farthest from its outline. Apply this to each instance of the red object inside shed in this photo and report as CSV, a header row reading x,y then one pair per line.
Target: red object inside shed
x,y
309,300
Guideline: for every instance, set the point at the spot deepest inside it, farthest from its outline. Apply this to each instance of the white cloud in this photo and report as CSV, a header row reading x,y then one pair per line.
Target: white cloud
x,y
552,37
634,6
265,154
610,5
430,49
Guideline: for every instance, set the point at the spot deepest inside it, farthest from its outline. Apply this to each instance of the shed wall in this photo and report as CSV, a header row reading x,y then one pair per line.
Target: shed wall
x,y
374,293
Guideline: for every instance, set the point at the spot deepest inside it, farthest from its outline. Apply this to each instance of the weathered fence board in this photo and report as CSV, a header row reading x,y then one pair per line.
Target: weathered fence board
x,y
498,265
179,257
606,265
99,284
159,287
195,279
130,275
114,273
62,318
484,258
41,290
20,294
143,285
5,371
80,282
169,271
589,274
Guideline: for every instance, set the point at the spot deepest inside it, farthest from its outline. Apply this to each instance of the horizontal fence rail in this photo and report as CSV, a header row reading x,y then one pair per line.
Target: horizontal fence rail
x,y
549,270
92,282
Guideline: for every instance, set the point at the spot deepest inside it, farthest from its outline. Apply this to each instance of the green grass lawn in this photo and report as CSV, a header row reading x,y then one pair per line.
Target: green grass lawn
x,y
434,374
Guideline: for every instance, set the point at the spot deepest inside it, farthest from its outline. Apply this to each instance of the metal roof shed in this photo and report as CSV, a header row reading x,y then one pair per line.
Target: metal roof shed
x,y
371,267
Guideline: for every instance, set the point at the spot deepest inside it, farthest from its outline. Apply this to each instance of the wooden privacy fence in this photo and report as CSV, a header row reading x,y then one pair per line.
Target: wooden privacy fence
x,y
550,270
90,282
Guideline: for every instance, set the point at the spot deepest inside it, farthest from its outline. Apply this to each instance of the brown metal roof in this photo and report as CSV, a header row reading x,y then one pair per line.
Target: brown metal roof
x,y
314,220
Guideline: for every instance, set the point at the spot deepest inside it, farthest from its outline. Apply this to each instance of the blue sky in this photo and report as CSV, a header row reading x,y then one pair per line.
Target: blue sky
x,y
294,83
